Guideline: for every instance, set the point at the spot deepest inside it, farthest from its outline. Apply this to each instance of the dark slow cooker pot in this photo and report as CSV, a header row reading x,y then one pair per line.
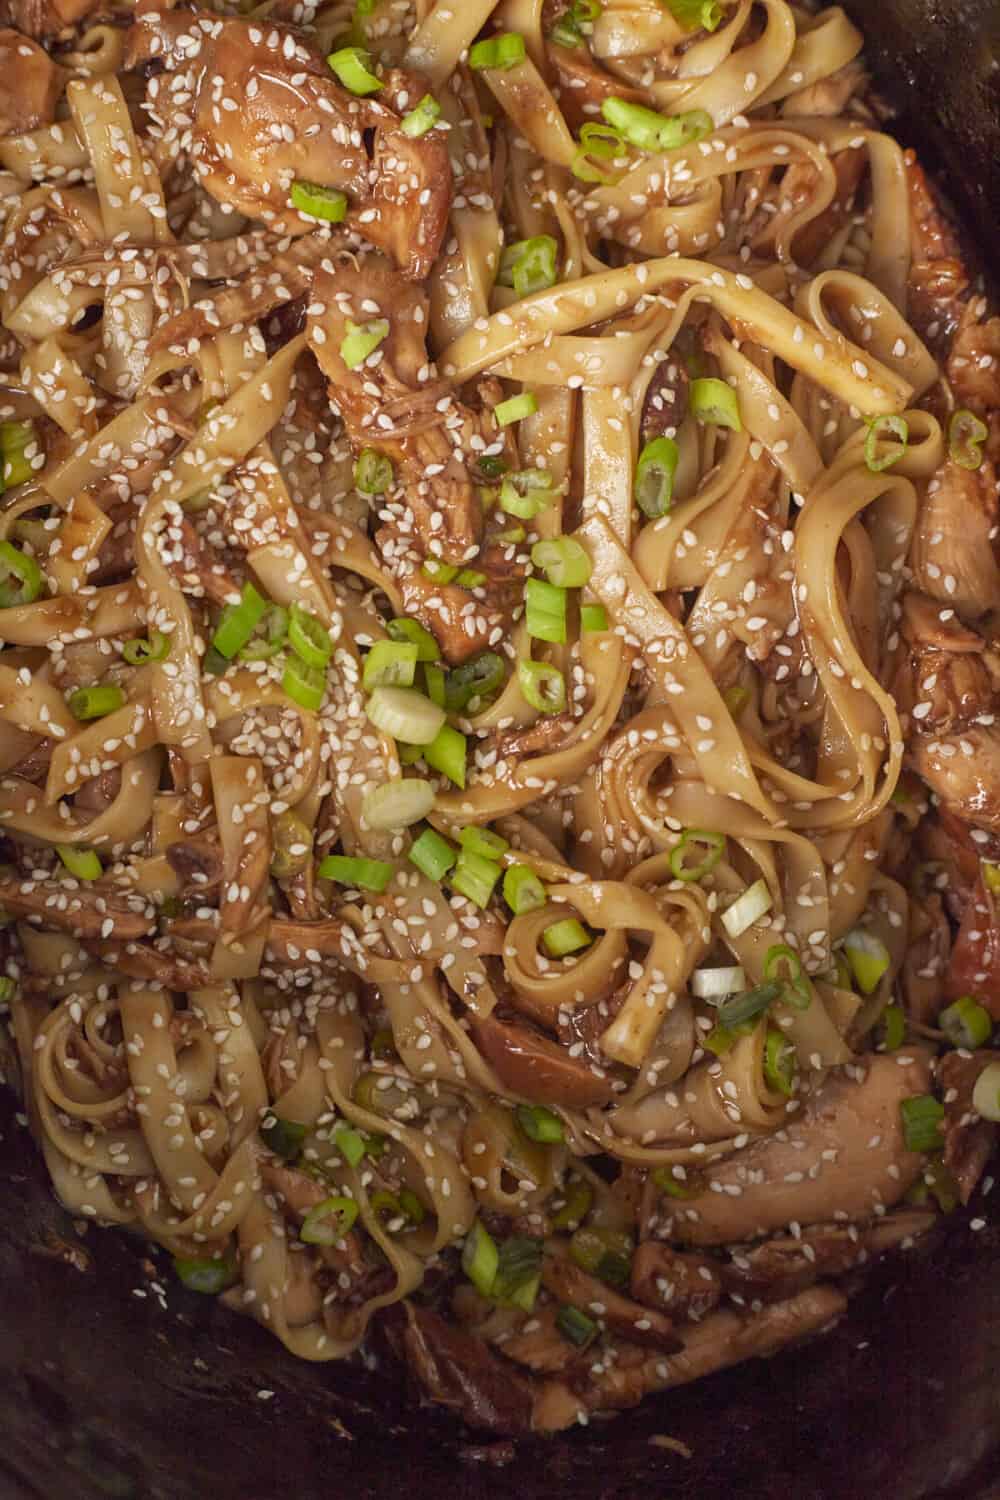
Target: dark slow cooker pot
x,y
115,1382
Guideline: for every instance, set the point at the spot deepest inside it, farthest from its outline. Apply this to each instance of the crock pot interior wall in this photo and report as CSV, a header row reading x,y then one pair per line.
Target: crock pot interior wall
x,y
107,1389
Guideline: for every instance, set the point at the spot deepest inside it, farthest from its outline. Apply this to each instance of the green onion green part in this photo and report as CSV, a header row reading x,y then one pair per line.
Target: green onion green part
x,y
922,1115
566,936
329,1221
422,118
539,1124
238,622
413,633
361,341
593,617
654,477
83,863
96,701
352,66
563,561
480,1259
20,577
366,874
966,434
528,266
779,1063
373,472
516,409
522,889
888,426
474,877
390,664
966,1023
695,841
503,51
432,854
483,841
155,647
545,610
542,685
305,685
715,401
319,202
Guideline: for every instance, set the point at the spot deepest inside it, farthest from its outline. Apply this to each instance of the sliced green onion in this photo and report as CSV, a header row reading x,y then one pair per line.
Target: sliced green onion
x,y
83,863
475,680
397,804
412,632
593,617
715,984
736,699
575,1326
214,662
480,1259
8,989
528,266
469,578
986,1093
361,340
518,1275
432,854
542,685
503,51
649,131
711,846
329,1221
516,409
585,170
366,874
966,433
747,909
373,472
475,877
868,957
606,1253
305,685
434,684
578,1199
654,476
695,15
563,561
422,118
779,1063
922,1115
350,1144
522,889
412,1206
272,634
238,622
566,936
96,701
749,1005
966,1023
352,66
483,841
991,876
15,438
719,1040
545,610
390,664
939,1183
209,1277
155,647
447,753
291,845
714,401
20,577
539,1124
438,572
283,1137
892,426
689,1186
309,637
893,1028
566,32
526,493
319,202
404,713
780,957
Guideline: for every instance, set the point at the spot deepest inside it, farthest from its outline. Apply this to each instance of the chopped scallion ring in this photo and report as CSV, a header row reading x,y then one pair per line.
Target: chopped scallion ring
x,y
210,1277
715,984
564,562
649,131
712,847
20,577
593,618
579,1197
695,15
319,202
566,936
96,701
518,1274
373,472
405,714
576,1326
447,753
397,804
438,572
714,401
480,1259
15,439
522,890
413,633
469,685
434,684
390,664
329,1221
542,685
238,622
475,876
779,1063
986,1093
749,1005
8,989
155,647
781,962
892,1029
351,1145
83,863
540,1124
528,266
526,493
309,638
432,854
868,957
747,909
545,610
966,434
366,874
483,841
304,684
503,51
469,578
361,341
602,1252
966,1023
686,1186
422,118
922,1115
888,426
516,409
352,67
272,633
654,476
283,1137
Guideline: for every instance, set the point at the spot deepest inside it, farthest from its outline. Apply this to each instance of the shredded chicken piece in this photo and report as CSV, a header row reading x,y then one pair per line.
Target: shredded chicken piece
x,y
629,1320
844,1154
952,553
197,863
781,1267
686,1285
829,96
938,277
30,83
87,910
144,961
294,122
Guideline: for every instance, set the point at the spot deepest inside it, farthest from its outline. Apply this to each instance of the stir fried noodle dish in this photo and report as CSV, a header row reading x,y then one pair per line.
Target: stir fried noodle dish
x,y
499,780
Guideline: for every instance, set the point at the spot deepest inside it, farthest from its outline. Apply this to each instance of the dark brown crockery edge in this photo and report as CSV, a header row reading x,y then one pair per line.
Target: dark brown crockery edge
x,y
107,1389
